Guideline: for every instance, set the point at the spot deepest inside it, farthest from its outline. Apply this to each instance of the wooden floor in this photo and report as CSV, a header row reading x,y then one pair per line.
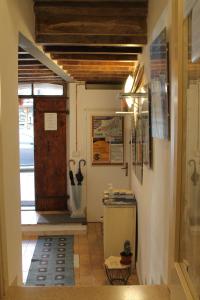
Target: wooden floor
x,y
89,271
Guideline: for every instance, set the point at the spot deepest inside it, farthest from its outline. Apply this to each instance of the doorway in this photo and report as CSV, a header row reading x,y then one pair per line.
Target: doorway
x,y
26,147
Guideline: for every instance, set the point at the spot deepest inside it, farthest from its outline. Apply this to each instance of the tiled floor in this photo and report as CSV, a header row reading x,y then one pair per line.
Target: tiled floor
x,y
89,248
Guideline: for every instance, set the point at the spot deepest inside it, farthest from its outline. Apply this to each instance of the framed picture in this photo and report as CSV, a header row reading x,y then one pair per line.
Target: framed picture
x,y
160,86
141,145
146,130
107,140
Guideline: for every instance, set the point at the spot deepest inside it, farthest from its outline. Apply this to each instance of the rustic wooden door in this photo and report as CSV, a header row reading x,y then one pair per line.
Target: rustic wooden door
x,y
50,153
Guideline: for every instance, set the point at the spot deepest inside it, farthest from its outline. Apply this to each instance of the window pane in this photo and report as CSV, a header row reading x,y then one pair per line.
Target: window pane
x,y
24,89
26,133
47,89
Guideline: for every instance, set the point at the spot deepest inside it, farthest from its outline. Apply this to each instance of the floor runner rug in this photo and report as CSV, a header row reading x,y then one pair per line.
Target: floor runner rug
x,y
59,219
53,262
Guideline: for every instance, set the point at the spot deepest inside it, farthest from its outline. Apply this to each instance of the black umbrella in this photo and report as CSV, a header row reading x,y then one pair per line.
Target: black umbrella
x,y
79,175
71,175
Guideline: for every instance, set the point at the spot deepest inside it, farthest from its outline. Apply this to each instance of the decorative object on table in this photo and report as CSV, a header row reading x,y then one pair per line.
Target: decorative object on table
x,y
160,86
107,140
126,254
52,262
116,272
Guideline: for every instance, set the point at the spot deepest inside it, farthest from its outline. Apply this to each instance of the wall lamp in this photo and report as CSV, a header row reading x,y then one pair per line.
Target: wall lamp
x,y
128,97
127,102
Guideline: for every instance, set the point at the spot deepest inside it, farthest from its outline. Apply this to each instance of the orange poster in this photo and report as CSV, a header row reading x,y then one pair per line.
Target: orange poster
x,y
101,151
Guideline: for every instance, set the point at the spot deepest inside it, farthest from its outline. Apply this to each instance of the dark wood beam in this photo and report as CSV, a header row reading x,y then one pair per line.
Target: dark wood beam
x,y
120,57
39,67
99,78
38,72
21,51
29,63
111,70
91,49
88,25
92,8
100,73
97,68
103,86
84,39
25,57
98,63
40,81
91,23
92,1
37,76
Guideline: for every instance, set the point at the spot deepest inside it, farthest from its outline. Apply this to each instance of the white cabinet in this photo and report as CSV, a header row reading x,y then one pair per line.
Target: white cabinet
x,y
119,225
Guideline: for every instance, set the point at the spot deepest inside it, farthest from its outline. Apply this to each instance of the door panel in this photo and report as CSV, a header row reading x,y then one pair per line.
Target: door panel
x,y
50,155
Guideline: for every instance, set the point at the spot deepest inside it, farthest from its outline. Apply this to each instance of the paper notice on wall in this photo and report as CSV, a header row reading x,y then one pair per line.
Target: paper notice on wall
x,y
188,5
196,32
50,121
116,153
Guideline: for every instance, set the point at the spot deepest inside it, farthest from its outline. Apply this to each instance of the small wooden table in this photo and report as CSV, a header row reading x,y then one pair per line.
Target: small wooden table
x,y
115,271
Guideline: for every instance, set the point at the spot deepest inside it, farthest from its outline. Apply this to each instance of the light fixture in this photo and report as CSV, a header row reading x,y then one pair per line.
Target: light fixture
x,y
129,84
127,102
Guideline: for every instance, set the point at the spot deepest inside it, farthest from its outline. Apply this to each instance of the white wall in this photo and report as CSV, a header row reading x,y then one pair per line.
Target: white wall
x,y
16,16
153,196
97,178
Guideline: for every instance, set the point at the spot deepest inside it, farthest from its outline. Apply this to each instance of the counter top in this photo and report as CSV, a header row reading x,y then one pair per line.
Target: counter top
x,y
90,293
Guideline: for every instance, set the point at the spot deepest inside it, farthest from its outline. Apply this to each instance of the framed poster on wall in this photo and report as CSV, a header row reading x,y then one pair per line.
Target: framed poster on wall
x,y
107,140
160,86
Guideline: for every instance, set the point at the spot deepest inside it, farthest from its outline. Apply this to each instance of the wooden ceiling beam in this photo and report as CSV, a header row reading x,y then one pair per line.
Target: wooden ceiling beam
x,y
91,1
91,40
86,8
96,68
90,25
100,73
26,57
36,68
98,63
35,72
40,81
97,23
109,57
91,50
91,77
29,63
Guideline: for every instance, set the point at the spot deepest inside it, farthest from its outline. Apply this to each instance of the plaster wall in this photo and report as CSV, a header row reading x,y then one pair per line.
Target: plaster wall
x,y
96,178
153,195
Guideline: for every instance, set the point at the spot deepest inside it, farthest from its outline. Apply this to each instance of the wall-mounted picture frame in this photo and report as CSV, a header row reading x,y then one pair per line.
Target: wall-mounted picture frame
x,y
159,60
107,140
141,145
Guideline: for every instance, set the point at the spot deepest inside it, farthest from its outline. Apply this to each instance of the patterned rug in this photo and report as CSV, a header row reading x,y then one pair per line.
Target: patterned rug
x,y
59,219
52,262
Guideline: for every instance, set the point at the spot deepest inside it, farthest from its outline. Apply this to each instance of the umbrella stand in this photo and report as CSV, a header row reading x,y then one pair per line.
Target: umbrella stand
x,y
78,192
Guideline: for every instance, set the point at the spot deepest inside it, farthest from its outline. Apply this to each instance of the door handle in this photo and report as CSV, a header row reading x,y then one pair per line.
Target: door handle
x,y
125,168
